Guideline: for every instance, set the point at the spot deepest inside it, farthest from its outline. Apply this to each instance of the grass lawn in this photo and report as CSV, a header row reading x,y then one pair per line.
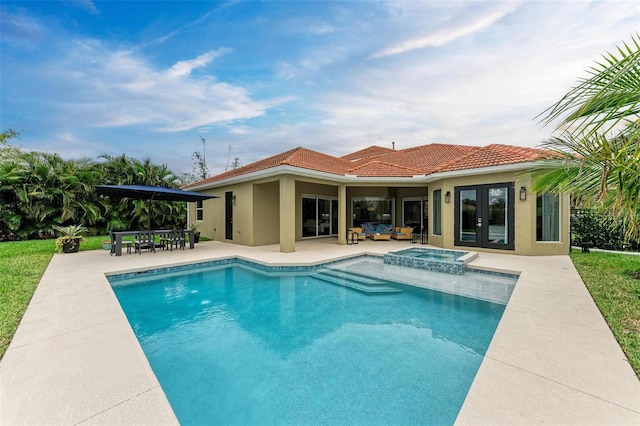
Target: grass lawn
x,y
614,283
22,264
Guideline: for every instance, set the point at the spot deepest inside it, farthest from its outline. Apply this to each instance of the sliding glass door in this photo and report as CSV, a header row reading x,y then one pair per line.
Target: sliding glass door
x,y
319,216
414,213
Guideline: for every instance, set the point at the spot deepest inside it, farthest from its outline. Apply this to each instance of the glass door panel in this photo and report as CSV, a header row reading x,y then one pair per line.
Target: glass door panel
x,y
468,216
309,218
412,214
498,231
324,216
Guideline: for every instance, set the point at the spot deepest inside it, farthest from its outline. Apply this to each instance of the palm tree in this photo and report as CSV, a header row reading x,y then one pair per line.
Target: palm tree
x,y
132,214
600,139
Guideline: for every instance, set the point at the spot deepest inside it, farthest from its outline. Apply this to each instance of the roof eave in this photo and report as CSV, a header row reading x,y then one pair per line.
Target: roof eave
x,y
265,174
347,178
516,167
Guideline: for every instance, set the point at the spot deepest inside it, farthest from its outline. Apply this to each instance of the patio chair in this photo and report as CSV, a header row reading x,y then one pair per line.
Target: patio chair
x,y
176,238
402,233
125,243
145,240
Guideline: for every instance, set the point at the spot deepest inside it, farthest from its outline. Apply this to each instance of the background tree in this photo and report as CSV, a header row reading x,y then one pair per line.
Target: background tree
x,y
39,190
200,169
8,151
599,140
134,214
236,163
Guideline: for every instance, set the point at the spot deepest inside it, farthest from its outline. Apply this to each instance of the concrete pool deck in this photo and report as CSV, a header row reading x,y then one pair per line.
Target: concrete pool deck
x,y
75,360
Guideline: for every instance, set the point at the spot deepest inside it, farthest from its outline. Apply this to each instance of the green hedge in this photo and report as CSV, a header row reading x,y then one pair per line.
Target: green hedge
x,y
601,231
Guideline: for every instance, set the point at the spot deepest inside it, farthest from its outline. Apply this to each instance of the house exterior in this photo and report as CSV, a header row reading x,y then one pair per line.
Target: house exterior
x,y
463,197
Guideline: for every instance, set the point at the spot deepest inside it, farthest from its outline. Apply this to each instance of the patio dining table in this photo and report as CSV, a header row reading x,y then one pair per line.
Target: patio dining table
x,y
119,234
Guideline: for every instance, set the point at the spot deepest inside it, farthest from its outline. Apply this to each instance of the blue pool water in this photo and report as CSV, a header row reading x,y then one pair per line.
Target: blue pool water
x,y
231,344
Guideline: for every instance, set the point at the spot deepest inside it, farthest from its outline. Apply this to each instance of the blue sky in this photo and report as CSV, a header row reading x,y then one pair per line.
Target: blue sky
x,y
151,78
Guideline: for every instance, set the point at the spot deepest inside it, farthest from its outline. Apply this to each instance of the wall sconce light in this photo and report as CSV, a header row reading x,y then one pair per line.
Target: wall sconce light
x,y
523,193
447,196
233,200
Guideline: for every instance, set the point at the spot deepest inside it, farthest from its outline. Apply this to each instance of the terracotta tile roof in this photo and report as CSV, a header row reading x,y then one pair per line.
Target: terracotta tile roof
x,y
313,160
494,155
297,157
377,168
376,161
427,158
369,152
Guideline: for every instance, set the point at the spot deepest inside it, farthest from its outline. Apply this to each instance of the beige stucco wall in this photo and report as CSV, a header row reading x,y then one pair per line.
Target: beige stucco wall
x,y
206,225
266,214
525,215
259,214
213,223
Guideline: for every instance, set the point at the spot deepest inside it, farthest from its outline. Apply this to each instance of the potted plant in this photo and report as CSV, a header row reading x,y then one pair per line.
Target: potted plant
x,y
72,236
106,244
196,234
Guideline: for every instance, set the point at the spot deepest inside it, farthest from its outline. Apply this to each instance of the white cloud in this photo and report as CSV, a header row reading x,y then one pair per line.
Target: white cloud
x,y
239,130
88,5
102,88
286,70
19,27
509,63
174,33
447,35
310,26
184,68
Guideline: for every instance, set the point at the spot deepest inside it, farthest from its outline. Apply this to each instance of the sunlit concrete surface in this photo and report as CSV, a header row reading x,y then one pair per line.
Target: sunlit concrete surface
x,y
75,360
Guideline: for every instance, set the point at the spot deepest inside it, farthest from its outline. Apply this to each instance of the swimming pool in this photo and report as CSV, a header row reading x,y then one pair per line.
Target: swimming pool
x,y
239,343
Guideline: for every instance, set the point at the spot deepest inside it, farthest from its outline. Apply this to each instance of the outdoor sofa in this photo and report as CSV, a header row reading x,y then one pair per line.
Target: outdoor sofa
x,y
370,230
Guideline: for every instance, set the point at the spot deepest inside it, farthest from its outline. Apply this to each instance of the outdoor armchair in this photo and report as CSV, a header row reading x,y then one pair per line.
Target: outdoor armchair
x,y
174,238
401,233
145,240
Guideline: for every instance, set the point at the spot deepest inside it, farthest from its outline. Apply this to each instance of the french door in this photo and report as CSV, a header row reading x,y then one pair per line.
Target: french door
x,y
484,216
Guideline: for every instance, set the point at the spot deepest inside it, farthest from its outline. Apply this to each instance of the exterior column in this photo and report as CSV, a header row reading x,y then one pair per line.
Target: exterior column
x,y
287,214
342,215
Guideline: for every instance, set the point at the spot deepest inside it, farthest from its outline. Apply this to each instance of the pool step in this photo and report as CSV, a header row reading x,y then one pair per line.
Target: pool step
x,y
354,281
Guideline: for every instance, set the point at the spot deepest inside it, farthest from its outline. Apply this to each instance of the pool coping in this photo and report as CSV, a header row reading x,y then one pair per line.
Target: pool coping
x,y
75,360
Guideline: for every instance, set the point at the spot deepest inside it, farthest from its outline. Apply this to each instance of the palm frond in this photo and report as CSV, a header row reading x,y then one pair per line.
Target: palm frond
x,y
610,96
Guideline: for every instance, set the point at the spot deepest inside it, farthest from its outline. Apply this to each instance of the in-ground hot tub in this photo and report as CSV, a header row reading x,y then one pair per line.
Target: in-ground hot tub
x,y
448,261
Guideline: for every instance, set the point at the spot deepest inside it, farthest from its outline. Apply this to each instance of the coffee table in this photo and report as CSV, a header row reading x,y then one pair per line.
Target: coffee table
x,y
385,237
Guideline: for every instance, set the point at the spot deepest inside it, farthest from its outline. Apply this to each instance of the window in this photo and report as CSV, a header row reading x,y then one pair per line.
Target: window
x,y
199,210
376,210
548,217
437,212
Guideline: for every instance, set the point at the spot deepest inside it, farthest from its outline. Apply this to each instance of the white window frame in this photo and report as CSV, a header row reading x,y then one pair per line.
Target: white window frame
x,y
199,211
559,218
